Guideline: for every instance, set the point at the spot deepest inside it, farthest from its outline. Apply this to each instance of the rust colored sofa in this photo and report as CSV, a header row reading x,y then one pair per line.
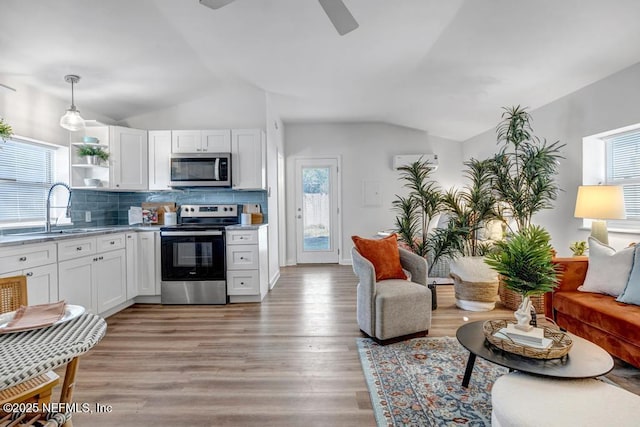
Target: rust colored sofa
x,y
599,318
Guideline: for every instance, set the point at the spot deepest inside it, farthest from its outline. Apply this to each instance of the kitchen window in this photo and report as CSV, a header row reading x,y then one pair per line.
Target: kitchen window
x,y
27,170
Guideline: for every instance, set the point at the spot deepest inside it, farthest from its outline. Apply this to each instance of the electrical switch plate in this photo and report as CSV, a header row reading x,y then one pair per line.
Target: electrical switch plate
x,y
87,216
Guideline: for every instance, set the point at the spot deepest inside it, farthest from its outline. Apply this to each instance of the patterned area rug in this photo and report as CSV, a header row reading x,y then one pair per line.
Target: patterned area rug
x,y
419,383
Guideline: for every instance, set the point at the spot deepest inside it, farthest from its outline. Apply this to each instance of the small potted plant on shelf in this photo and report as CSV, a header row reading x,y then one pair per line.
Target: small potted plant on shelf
x,y
93,155
524,262
5,130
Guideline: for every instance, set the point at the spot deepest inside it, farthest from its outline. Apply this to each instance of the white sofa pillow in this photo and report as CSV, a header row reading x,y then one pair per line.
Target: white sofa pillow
x,y
608,270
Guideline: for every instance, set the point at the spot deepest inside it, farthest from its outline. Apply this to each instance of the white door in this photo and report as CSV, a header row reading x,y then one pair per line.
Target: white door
x,y
317,210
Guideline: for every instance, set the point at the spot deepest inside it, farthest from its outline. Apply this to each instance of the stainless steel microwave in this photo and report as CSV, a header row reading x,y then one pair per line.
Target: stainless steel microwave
x,y
201,170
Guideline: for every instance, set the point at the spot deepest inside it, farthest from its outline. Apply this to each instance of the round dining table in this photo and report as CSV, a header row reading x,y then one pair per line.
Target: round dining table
x,y
27,354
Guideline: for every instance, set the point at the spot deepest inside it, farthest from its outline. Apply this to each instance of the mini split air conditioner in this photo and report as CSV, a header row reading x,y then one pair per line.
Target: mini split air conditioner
x,y
407,159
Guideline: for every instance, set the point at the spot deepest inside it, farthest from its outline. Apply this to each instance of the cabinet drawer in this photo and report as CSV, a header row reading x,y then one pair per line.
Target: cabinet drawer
x,y
76,248
27,256
242,237
111,242
242,257
245,282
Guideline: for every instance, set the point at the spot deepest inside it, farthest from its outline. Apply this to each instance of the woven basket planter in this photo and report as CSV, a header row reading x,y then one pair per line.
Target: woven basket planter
x,y
512,300
474,283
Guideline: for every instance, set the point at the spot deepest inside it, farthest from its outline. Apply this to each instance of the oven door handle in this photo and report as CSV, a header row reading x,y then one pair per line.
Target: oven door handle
x,y
190,233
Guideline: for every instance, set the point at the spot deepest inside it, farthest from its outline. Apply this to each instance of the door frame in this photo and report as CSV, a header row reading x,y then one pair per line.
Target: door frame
x,y
336,215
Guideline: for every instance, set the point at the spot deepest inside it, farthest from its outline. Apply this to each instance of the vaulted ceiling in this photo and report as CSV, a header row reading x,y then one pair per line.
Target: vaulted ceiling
x,y
444,66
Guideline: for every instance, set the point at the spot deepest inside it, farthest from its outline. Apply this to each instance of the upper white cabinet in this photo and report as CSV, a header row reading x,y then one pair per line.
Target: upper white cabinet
x,y
248,159
126,167
201,141
128,158
159,159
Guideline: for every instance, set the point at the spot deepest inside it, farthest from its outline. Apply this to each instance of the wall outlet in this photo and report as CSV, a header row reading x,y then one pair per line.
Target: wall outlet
x,y
87,216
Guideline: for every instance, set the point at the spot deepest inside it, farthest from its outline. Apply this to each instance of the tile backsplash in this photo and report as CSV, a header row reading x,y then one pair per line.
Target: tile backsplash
x,y
110,208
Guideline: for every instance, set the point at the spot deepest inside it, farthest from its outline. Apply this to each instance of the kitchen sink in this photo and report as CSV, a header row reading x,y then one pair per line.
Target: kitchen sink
x,y
63,232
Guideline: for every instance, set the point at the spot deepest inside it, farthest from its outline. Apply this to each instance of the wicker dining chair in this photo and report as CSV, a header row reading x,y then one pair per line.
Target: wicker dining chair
x,y
13,294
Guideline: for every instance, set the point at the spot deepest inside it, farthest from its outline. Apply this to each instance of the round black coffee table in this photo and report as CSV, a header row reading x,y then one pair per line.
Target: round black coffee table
x,y
585,359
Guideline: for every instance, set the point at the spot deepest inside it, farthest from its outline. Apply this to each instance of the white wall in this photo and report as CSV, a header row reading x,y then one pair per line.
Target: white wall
x,y
34,114
275,145
366,150
608,104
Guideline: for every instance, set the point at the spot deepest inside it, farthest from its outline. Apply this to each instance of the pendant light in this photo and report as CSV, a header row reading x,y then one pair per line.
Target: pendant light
x,y
72,120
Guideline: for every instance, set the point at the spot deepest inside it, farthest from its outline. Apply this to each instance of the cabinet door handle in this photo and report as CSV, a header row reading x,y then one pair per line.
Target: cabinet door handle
x,y
198,149
22,258
112,242
242,283
29,274
100,258
95,259
79,248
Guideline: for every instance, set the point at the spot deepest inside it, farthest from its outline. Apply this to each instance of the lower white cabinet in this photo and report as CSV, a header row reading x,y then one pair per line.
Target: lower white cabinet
x,y
247,264
38,262
42,283
149,263
133,264
97,281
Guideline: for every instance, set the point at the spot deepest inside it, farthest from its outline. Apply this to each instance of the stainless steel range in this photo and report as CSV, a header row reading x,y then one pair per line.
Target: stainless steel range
x,y
193,255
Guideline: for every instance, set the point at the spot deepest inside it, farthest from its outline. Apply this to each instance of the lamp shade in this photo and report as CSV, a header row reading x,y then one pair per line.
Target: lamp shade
x,y
72,120
600,202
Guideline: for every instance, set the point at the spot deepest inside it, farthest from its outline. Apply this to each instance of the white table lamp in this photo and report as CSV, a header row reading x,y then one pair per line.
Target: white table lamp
x,y
600,202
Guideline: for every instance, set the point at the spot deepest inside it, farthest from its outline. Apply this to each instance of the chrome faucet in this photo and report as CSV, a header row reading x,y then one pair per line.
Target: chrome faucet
x,y
67,213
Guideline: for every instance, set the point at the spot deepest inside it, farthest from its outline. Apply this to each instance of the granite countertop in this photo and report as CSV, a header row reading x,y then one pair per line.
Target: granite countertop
x,y
78,233
69,233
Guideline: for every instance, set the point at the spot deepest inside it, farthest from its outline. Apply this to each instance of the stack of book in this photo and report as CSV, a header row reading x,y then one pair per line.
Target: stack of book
x,y
532,338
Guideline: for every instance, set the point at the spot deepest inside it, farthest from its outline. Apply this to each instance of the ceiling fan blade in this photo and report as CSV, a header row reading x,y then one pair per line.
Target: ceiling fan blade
x,y
339,15
215,4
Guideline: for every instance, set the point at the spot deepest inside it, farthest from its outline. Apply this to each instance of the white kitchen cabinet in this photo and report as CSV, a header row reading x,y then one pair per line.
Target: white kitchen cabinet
x,y
149,263
95,280
76,282
39,263
133,265
128,161
247,264
201,141
127,166
159,159
42,283
248,159
110,279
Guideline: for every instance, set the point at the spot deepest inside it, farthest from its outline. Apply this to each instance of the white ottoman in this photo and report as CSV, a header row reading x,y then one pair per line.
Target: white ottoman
x,y
524,400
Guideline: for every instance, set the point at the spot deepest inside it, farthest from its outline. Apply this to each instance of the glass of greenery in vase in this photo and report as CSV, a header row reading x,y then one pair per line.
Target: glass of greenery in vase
x,y
93,155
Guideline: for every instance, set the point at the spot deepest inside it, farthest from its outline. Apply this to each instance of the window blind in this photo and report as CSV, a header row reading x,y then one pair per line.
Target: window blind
x,y
623,168
26,173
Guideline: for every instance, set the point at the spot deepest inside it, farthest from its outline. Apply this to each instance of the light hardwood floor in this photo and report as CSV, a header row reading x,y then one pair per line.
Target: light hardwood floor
x,y
290,361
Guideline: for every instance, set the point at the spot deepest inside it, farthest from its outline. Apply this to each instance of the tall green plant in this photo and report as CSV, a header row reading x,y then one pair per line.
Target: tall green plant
x,y
471,208
525,262
524,168
417,209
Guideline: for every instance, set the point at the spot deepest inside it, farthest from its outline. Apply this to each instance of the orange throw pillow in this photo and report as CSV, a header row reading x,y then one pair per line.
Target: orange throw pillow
x,y
383,254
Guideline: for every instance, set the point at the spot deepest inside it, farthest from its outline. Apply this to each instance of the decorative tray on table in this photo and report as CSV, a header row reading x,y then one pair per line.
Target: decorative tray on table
x,y
560,342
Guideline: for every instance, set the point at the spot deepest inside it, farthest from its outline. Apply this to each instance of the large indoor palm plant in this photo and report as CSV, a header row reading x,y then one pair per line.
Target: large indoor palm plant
x,y
523,179
415,212
524,169
470,211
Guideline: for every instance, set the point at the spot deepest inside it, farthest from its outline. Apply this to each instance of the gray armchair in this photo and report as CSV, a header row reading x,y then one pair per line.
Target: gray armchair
x,y
393,308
